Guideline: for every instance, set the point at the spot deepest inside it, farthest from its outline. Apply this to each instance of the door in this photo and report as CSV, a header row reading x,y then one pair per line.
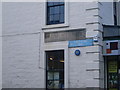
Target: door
x,y
55,70
112,73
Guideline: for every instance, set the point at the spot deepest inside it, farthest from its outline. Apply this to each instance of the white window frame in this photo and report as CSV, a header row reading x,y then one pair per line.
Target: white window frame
x,y
59,46
65,24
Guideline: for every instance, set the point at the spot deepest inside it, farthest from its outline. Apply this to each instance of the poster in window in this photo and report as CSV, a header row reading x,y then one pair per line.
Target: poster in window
x,y
56,75
56,84
50,84
112,66
50,75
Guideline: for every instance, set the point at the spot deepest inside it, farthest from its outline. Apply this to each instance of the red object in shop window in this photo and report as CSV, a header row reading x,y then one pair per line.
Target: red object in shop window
x,y
108,51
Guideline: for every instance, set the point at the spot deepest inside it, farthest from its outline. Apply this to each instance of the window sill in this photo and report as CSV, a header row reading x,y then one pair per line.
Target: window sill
x,y
55,26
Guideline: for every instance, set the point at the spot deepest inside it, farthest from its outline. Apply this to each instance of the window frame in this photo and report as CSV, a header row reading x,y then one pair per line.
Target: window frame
x,y
54,70
48,14
62,25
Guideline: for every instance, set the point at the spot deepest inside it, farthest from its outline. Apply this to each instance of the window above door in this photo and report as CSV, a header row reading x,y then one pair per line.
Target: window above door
x,y
55,13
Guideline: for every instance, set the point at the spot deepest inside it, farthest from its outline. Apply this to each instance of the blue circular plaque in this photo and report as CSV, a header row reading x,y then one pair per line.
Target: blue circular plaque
x,y
77,52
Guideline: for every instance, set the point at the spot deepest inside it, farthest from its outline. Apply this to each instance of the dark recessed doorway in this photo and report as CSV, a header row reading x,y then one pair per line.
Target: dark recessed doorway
x,y
113,72
55,70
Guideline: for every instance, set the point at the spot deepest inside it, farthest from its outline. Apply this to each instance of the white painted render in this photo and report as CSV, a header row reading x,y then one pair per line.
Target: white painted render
x,y
105,8
118,13
0,45
21,38
24,47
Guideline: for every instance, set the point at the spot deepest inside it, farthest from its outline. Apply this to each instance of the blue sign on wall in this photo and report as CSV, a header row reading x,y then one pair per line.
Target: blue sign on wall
x,y
81,43
77,52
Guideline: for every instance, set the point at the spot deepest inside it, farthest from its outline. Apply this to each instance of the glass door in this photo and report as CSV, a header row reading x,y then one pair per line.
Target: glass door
x,y
55,70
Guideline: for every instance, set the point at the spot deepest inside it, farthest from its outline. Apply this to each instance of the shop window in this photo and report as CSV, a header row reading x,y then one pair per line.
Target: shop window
x,y
114,45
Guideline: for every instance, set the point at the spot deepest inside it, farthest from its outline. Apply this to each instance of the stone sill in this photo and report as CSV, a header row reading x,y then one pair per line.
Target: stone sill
x,y
55,26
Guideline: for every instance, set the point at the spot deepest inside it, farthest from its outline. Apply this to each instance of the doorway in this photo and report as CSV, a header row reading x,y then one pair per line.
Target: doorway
x,y
55,70
113,72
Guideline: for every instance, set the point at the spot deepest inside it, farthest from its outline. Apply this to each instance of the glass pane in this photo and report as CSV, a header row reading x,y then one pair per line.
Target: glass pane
x,y
50,75
50,3
61,64
56,65
56,18
61,75
61,17
56,10
61,9
51,10
113,80
50,65
114,45
60,56
61,1
56,75
51,18
56,84
56,3
50,84
61,84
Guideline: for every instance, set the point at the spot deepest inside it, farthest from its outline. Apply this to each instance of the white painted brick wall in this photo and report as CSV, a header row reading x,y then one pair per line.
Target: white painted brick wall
x,y
79,76
21,62
21,17
0,45
21,50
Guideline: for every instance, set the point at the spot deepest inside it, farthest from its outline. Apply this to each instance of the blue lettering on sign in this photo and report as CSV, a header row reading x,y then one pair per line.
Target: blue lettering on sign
x,y
81,43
